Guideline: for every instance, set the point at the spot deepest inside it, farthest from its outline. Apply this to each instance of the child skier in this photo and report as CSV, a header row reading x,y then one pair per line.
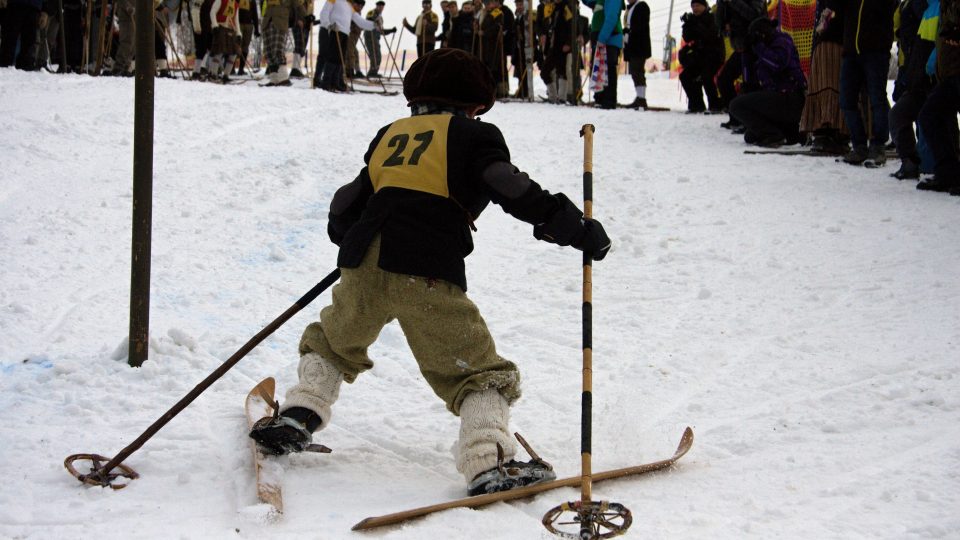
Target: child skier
x,y
403,227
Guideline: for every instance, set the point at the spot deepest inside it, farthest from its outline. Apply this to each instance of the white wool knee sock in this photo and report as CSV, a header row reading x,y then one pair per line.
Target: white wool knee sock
x,y
641,92
484,422
318,389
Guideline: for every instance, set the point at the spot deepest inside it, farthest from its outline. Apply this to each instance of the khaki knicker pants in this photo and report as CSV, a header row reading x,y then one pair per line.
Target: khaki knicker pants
x,y
444,329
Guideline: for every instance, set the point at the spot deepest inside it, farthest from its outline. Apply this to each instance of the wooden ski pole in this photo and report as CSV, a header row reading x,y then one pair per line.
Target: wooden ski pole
x,y
343,64
593,517
393,57
370,59
102,475
101,37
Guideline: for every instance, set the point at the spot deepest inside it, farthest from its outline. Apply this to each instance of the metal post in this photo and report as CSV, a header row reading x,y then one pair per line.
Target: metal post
x,y
142,185
63,41
668,42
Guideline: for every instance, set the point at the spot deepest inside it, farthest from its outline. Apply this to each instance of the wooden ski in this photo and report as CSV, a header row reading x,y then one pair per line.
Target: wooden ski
x,y
257,407
686,441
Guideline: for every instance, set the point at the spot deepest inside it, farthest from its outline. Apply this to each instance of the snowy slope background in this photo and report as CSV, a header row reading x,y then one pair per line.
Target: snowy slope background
x,y
801,315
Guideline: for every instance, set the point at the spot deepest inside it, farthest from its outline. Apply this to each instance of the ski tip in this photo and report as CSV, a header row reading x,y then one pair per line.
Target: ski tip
x,y
686,441
361,525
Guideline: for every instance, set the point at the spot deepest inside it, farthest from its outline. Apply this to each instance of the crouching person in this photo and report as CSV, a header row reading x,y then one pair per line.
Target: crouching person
x,y
772,101
404,228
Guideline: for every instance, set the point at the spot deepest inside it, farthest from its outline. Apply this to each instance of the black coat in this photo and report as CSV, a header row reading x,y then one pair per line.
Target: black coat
x,y
738,14
704,48
462,32
867,25
638,38
424,197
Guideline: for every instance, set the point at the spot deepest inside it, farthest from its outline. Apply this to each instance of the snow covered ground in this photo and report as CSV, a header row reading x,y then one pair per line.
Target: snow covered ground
x,y
803,316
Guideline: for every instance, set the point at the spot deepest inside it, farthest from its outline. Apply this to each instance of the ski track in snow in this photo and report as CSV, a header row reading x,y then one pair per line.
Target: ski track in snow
x,y
801,315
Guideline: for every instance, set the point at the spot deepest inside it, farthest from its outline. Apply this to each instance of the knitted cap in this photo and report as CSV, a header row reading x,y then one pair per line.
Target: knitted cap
x,y
450,77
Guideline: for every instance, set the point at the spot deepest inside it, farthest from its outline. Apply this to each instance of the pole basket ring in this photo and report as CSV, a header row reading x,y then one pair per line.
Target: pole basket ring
x,y
588,521
97,476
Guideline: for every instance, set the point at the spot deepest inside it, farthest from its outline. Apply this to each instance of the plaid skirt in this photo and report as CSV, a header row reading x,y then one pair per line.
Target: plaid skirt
x,y
274,42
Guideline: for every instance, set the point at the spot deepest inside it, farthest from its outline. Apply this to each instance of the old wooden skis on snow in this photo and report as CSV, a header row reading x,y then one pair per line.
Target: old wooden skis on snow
x,y
686,441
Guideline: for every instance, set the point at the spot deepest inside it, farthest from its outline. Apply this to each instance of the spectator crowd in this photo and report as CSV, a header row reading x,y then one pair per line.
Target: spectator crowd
x,y
734,59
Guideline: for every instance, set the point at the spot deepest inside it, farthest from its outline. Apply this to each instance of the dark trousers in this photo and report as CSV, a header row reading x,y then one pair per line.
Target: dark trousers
x,y
938,122
727,78
867,70
300,36
201,44
769,115
333,59
423,47
19,26
902,116
697,80
607,98
638,74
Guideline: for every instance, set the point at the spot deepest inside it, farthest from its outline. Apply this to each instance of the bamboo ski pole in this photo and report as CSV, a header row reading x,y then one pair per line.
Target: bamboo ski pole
x,y
586,413
596,519
103,476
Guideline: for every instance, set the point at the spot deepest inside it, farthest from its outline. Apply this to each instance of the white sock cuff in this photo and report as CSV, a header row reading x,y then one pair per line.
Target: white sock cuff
x,y
318,389
642,92
484,422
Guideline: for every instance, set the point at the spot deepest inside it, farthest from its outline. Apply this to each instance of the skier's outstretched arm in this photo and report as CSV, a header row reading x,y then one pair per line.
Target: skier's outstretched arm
x,y
554,217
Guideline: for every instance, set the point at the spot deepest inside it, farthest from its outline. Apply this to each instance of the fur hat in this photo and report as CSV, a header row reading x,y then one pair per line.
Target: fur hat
x,y
701,2
450,77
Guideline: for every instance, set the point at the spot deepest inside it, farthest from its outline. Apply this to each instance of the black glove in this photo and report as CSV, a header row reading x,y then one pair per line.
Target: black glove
x,y
389,31
567,227
595,241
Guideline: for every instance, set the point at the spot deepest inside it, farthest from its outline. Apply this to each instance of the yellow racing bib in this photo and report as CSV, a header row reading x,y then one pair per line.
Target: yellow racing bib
x,y
412,154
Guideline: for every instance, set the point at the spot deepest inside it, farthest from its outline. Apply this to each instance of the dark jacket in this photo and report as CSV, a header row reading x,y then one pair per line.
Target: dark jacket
x,y
738,14
948,56
638,31
774,65
426,180
867,25
462,32
912,76
704,47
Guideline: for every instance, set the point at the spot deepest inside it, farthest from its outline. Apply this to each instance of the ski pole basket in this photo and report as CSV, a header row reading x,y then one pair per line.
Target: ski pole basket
x,y
98,476
589,521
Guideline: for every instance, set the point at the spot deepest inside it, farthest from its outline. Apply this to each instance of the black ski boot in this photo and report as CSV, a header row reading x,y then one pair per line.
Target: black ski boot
x,y
512,474
909,170
289,432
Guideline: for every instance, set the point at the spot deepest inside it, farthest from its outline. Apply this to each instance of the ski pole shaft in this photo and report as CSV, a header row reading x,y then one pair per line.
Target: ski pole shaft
x,y
311,295
587,400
